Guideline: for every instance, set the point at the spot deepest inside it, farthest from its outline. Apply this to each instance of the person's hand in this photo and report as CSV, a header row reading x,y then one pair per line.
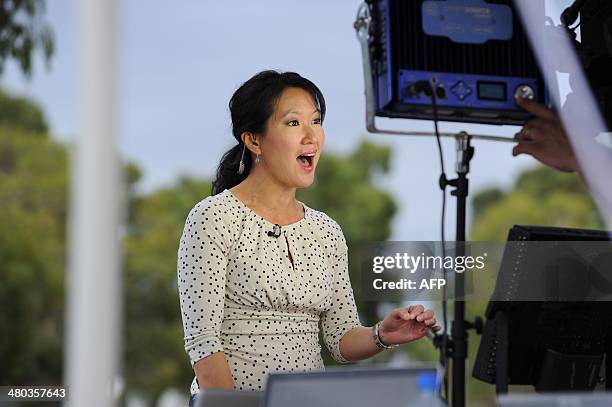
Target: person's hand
x,y
407,324
544,138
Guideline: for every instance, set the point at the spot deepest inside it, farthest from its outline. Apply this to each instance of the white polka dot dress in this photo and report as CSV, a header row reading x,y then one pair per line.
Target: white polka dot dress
x,y
261,299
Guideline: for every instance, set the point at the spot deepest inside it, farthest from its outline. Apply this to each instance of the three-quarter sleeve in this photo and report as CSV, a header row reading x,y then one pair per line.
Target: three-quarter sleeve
x,y
342,315
202,262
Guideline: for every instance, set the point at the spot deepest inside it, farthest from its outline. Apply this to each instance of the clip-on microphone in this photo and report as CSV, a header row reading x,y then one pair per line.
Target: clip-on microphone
x,y
276,231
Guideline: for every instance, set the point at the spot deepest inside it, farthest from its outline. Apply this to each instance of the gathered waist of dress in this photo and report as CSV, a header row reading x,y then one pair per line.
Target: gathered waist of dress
x,y
238,321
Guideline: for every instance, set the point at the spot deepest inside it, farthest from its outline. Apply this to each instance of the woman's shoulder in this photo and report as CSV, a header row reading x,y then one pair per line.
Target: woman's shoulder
x,y
213,217
214,209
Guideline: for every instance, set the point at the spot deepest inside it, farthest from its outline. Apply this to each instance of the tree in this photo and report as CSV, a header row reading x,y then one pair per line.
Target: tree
x,y
33,191
22,31
154,356
540,197
18,112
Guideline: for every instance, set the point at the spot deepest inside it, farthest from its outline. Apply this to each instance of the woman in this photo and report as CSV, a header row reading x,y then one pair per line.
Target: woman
x,y
258,270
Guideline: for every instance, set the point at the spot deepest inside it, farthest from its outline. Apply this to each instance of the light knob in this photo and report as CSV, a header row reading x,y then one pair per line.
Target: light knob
x,y
525,92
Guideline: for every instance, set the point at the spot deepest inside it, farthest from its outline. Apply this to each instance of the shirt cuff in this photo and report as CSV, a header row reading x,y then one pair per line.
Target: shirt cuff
x,y
202,348
335,352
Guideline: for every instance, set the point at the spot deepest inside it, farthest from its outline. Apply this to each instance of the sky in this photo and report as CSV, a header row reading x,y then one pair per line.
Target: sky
x,y
180,62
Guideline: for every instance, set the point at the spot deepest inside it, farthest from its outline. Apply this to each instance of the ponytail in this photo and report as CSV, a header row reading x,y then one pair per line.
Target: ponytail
x,y
227,171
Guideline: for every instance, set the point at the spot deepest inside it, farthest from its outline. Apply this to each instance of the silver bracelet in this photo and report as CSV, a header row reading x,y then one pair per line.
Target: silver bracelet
x,y
377,341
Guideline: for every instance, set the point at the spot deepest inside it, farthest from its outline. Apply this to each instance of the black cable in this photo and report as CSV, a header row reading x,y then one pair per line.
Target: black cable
x,y
426,88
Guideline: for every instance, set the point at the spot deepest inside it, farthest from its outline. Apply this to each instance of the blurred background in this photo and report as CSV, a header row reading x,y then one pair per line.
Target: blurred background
x,y
178,66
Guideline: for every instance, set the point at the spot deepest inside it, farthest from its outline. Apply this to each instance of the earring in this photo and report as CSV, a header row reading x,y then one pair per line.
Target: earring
x,y
257,159
241,165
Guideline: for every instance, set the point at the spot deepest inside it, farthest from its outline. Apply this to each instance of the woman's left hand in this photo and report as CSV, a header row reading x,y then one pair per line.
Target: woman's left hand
x,y
404,325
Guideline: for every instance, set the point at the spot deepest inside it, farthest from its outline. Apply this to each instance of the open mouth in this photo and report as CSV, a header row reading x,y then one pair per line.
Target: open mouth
x,y
306,160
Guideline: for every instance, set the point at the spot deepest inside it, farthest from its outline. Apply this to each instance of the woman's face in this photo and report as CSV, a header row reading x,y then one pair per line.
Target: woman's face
x,y
294,139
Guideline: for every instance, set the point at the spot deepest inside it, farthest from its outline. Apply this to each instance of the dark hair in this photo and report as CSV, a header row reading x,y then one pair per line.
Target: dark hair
x,y
251,106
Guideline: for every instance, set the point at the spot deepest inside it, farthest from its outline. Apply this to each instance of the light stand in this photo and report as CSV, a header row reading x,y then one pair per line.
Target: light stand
x,y
455,347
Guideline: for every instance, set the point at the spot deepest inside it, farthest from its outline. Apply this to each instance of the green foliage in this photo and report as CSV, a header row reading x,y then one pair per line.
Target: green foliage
x,y
484,199
541,196
154,357
33,189
22,31
20,113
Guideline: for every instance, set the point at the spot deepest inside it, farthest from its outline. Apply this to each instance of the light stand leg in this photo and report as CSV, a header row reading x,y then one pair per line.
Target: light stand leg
x,y
459,326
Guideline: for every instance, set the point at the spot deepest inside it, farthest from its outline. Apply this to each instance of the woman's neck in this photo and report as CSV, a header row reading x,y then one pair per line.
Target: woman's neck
x,y
268,197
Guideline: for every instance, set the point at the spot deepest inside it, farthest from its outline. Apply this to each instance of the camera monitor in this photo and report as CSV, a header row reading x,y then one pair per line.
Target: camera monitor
x,y
556,344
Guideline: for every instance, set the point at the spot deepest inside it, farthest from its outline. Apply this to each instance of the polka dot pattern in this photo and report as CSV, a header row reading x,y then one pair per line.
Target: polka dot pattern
x,y
259,299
